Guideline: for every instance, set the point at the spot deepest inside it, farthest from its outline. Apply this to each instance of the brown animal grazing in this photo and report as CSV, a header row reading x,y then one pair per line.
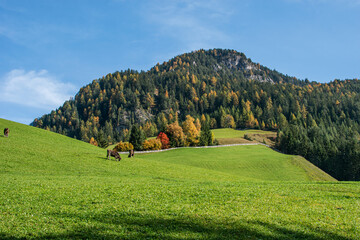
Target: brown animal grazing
x,y
131,153
111,153
6,132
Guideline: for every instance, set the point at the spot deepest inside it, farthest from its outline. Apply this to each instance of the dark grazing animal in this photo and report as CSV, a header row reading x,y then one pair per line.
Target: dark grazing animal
x,y
112,153
6,132
131,153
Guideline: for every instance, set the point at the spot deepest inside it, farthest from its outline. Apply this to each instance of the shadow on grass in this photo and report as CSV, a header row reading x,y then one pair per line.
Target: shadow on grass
x,y
106,159
118,225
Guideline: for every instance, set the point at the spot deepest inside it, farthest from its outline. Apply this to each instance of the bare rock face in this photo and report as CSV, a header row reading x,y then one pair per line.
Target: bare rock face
x,y
260,78
239,62
142,115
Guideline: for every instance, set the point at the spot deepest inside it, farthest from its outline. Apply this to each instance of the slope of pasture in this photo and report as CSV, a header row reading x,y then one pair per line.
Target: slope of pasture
x,y
248,162
54,187
232,136
232,133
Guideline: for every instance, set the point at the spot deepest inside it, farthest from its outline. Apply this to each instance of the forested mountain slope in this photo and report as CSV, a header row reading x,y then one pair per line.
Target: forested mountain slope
x,y
223,88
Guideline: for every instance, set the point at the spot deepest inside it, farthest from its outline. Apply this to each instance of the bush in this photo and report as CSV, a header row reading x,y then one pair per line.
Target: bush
x,y
247,137
152,144
123,147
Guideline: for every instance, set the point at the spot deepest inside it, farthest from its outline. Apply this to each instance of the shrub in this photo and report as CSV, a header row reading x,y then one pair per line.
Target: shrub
x,y
152,144
123,147
247,137
93,142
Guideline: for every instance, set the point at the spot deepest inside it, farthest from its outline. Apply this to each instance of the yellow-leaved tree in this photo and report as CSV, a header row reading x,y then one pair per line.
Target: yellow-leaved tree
x,y
191,132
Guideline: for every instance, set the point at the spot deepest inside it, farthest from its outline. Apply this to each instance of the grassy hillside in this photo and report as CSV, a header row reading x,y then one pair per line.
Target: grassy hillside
x,y
56,187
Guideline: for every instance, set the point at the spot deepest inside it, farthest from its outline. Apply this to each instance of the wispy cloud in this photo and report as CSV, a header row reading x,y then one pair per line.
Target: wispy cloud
x,y
194,23
34,89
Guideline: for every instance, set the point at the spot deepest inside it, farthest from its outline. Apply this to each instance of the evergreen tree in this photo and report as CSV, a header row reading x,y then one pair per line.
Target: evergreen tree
x,y
136,137
100,139
206,136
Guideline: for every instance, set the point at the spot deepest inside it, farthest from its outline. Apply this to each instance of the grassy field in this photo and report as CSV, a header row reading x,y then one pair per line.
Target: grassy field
x,y
232,133
60,188
232,136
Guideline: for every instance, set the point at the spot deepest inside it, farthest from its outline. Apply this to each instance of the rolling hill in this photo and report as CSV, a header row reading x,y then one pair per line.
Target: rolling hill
x,y
56,187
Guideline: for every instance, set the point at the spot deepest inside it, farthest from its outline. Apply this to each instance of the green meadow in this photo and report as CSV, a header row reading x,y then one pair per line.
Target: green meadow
x,y
232,133
232,136
55,187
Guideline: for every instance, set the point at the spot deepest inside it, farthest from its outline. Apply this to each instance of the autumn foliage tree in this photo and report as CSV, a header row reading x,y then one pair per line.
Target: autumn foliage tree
x,y
165,143
228,121
191,131
175,134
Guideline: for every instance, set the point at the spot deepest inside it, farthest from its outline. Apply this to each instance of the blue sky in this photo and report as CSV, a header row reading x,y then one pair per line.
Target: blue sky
x,y
49,49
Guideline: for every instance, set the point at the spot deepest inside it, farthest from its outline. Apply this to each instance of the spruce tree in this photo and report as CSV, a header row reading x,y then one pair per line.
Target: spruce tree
x,y
136,137
206,137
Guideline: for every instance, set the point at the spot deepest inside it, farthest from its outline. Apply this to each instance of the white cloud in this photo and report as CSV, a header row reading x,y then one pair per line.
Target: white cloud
x,y
34,89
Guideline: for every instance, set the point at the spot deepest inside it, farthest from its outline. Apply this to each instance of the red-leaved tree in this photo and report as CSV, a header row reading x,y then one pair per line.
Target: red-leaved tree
x,y
164,140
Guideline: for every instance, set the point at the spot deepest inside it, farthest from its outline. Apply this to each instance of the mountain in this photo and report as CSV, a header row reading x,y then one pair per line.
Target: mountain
x,y
223,88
